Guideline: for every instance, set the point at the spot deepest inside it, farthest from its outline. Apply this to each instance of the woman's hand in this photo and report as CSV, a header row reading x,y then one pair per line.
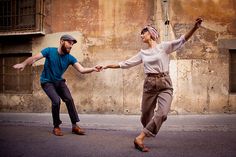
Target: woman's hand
x,y
198,22
196,26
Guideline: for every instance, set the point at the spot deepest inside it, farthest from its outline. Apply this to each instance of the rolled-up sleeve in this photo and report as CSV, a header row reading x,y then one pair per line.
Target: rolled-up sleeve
x,y
174,45
133,61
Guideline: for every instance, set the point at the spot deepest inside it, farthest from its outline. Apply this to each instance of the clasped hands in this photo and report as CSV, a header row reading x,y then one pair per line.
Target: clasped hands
x,y
99,68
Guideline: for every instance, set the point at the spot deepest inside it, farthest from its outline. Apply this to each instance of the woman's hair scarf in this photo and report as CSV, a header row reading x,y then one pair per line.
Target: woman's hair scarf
x,y
153,32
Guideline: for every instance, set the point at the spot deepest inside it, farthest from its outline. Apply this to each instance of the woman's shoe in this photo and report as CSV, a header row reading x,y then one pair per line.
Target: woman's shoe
x,y
140,147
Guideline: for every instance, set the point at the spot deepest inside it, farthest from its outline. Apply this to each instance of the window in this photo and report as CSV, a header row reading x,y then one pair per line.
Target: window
x,y
232,71
12,80
20,16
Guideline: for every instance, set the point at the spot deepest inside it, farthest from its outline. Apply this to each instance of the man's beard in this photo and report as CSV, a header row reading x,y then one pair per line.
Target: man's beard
x,y
65,50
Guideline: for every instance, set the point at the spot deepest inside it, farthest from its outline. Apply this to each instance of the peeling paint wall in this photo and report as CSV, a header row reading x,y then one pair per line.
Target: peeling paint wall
x,y
108,31
202,67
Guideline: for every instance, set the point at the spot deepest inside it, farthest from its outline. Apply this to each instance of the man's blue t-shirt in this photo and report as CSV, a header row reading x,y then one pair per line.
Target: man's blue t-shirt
x,y
55,64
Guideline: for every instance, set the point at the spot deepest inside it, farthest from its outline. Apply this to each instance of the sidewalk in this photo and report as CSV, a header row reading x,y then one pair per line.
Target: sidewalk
x,y
215,122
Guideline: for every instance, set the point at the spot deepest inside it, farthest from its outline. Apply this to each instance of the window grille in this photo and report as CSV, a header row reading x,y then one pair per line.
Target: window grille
x,y
12,80
21,16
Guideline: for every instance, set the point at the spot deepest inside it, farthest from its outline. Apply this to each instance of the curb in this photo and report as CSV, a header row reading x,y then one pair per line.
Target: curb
x,y
125,122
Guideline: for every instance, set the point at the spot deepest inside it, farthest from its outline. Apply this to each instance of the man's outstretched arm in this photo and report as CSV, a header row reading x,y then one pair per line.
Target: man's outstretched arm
x,y
28,61
84,70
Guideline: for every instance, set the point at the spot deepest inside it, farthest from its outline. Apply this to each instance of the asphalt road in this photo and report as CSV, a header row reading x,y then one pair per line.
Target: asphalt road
x,y
33,141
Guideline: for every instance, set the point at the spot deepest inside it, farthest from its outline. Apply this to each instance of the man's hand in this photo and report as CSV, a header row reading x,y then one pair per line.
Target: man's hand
x,y
20,66
198,22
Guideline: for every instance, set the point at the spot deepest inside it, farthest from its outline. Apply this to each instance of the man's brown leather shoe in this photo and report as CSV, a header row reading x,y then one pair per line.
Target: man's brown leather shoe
x,y
77,130
57,132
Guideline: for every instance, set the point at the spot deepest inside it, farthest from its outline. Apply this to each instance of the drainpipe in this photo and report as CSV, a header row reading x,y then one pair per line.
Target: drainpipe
x,y
166,19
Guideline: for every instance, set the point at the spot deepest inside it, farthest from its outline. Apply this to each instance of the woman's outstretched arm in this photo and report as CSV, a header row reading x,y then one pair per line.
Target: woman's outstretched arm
x,y
196,26
112,66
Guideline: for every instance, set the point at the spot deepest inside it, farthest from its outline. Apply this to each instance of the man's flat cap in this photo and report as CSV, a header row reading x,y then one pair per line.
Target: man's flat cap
x,y
68,37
